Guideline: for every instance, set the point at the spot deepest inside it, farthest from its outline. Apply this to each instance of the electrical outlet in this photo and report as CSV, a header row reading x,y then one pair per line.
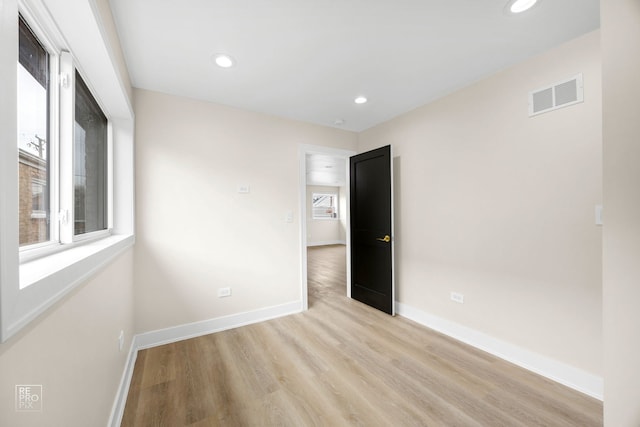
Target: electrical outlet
x,y
224,292
457,297
121,340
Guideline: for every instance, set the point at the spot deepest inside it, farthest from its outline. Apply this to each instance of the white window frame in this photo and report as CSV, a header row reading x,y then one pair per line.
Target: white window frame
x,y
67,99
48,41
30,285
62,119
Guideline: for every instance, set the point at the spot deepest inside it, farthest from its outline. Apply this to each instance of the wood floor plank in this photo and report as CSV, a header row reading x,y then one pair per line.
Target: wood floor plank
x,y
341,363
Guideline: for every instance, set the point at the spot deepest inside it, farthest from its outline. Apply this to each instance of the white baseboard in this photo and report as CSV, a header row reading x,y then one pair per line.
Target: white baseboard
x,y
327,243
192,330
183,332
117,411
577,379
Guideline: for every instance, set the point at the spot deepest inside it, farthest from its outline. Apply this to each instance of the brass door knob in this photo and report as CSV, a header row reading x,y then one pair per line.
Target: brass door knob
x,y
385,239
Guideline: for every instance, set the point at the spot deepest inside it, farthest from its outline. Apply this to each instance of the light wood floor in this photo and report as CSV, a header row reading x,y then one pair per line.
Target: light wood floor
x,y
341,364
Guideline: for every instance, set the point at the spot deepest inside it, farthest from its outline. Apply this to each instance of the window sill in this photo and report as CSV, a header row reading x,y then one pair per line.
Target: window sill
x,y
84,258
45,281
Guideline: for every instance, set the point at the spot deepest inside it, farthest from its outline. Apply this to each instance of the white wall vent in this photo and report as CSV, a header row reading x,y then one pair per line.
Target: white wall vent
x,y
559,95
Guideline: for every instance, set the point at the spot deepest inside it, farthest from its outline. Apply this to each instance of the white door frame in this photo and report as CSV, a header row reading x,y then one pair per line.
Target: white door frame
x,y
302,155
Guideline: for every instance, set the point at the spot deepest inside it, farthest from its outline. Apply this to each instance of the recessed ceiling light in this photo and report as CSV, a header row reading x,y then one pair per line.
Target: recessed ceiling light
x,y
223,61
519,6
360,100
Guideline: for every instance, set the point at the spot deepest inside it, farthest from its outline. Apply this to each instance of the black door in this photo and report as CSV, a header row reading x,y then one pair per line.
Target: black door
x,y
371,229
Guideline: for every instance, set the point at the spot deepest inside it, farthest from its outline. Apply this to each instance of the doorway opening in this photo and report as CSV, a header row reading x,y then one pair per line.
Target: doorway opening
x,y
324,196
326,274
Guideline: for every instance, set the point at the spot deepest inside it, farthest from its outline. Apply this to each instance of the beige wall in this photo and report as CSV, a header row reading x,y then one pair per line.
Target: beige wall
x,y
621,261
500,207
195,232
72,351
321,231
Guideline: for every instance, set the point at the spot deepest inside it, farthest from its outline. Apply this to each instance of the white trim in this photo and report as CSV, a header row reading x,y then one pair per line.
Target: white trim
x,y
80,23
196,329
559,372
44,281
347,199
66,147
302,184
327,242
9,238
117,411
184,332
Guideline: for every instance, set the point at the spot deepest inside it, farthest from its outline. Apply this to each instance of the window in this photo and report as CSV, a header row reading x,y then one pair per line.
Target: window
x,y
89,163
33,137
41,261
77,151
324,206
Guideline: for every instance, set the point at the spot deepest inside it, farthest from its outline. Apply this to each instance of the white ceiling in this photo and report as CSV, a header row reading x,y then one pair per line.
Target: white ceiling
x,y
308,59
326,170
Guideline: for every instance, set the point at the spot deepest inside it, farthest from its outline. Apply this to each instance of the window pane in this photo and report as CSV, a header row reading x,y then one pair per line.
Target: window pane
x,y
89,163
324,205
33,146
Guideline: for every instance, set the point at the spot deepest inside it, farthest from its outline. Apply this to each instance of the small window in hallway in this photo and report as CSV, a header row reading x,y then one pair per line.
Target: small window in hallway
x,y
325,206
